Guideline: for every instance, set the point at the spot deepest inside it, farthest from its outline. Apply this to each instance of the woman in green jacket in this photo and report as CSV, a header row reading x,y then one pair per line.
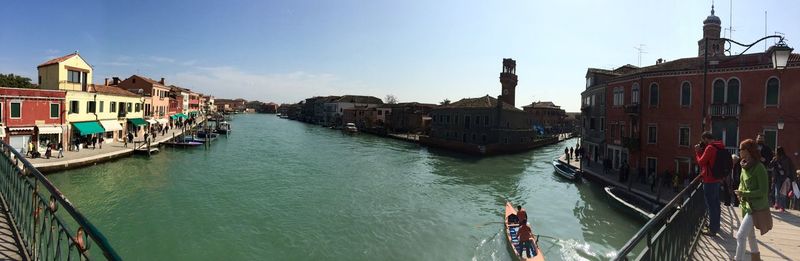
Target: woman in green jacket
x,y
753,190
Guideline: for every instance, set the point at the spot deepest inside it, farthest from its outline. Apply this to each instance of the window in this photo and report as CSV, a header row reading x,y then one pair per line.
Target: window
x,y
719,92
653,95
652,133
102,103
73,107
622,132
90,107
130,107
466,123
112,107
16,110
477,120
652,164
771,138
486,120
73,76
602,124
635,94
619,96
683,136
773,92
591,124
55,109
733,91
137,107
686,94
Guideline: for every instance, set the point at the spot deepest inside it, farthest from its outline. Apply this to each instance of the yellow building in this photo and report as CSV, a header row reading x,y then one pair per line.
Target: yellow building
x,y
92,111
66,73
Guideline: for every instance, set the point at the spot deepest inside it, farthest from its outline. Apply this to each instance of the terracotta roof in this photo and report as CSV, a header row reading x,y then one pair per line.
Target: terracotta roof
x,y
544,104
360,99
57,60
112,90
482,102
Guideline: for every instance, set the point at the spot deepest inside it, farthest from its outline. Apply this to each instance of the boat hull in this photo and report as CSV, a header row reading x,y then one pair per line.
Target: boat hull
x,y
631,203
565,171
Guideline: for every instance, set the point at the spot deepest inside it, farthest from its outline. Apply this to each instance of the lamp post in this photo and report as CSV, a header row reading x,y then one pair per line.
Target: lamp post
x,y
779,53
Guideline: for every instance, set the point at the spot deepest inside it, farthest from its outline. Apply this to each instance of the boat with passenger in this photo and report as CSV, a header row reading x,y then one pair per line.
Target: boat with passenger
x,y
512,225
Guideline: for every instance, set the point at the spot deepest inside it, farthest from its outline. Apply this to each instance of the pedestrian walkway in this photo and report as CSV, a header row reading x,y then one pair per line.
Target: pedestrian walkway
x,y
780,243
9,243
109,150
594,170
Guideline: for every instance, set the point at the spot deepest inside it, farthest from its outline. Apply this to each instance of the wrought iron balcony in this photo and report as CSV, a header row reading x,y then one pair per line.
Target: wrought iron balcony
x,y
632,109
725,110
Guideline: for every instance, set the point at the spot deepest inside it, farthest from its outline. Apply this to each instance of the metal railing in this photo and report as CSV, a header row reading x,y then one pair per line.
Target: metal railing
x,y
725,110
33,205
672,234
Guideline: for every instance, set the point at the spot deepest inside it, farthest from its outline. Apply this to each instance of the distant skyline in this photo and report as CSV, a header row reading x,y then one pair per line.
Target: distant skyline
x,y
285,51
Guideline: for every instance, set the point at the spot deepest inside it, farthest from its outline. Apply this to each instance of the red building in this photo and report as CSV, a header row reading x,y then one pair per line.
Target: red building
x,y
31,115
655,114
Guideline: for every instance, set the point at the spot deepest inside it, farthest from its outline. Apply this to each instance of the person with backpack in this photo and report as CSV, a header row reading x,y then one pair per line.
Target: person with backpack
x,y
715,164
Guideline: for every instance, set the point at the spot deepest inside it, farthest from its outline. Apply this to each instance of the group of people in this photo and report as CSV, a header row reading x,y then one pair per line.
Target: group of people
x,y
524,232
86,141
33,152
573,153
754,180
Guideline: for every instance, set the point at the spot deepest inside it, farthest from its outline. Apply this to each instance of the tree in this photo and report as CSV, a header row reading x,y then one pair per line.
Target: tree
x,y
390,99
15,81
445,102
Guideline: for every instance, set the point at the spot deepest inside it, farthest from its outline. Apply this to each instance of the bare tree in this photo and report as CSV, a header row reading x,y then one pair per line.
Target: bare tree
x,y
445,102
390,99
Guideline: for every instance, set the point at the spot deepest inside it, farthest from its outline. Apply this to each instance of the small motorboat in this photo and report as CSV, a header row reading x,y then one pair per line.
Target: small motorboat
x,y
224,127
566,171
513,241
636,204
182,144
350,128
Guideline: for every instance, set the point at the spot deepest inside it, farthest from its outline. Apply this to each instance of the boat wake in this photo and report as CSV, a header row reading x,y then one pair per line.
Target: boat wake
x,y
490,248
571,249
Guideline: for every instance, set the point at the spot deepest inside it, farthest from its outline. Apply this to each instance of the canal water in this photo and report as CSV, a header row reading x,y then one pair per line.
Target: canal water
x,y
283,190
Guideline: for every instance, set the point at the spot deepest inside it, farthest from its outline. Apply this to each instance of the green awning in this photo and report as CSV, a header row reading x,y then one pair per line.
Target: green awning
x,y
88,127
181,115
137,121
192,113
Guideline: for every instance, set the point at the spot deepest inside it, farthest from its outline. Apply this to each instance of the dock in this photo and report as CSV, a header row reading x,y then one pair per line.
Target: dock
x,y
780,243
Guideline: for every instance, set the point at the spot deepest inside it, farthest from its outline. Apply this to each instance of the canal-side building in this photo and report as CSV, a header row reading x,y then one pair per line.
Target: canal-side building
x,y
31,115
656,113
410,117
547,116
155,93
593,113
107,111
67,73
484,125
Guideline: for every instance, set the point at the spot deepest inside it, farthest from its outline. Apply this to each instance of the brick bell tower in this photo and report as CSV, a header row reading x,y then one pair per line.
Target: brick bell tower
x,y
711,30
508,80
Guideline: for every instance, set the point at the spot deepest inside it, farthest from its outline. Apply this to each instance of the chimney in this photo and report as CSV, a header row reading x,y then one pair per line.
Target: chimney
x,y
161,81
115,80
106,82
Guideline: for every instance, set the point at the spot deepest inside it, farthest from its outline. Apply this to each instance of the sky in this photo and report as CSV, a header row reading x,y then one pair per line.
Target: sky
x,y
424,51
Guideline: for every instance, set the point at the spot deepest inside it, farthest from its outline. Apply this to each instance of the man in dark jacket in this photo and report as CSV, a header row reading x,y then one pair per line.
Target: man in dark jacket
x,y
705,160
766,156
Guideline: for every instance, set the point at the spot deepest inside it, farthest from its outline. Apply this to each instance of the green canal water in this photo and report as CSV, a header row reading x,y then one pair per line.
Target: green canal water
x,y
283,190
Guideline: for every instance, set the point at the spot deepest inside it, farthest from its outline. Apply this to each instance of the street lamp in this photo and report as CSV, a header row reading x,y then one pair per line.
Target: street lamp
x,y
779,53
780,123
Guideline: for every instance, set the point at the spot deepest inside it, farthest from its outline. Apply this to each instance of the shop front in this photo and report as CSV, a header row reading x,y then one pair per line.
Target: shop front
x,y
48,134
110,127
19,137
135,125
84,131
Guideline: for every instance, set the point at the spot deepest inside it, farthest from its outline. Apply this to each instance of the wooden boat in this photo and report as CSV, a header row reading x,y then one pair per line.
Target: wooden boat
x,y
350,128
511,237
223,127
182,144
636,204
565,170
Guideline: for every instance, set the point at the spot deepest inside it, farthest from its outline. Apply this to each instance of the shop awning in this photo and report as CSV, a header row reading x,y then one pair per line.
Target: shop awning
x,y
137,121
88,127
152,121
50,129
20,128
162,121
2,131
111,125
179,115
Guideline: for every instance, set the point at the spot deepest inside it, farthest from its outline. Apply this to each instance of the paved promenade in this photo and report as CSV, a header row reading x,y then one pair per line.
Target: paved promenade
x,y
781,243
595,171
88,155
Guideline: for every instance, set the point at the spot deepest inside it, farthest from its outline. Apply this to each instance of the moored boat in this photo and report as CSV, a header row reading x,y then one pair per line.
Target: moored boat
x,y
513,242
350,128
635,204
182,144
565,170
223,127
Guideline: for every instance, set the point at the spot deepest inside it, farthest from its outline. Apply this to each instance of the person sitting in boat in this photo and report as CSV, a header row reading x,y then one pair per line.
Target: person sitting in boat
x,y
525,236
513,219
521,214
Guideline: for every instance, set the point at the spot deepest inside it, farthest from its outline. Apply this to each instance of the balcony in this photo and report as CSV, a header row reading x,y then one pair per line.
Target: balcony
x,y
725,110
632,109
631,143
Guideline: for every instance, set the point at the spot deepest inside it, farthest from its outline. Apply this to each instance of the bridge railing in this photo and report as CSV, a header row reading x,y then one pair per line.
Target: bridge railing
x,y
49,226
673,232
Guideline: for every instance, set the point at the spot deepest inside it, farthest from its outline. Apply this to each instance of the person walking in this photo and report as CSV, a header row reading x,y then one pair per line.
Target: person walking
x,y
766,155
60,150
706,157
49,151
752,192
783,168
100,142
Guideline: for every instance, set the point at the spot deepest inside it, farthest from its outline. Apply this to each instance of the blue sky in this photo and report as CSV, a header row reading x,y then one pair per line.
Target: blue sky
x,y
427,51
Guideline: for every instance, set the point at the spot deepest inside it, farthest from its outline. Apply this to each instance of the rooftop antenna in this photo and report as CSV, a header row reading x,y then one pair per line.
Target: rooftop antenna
x,y
730,29
640,49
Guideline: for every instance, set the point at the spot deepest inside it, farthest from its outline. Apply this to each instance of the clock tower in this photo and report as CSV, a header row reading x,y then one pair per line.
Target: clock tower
x,y
508,81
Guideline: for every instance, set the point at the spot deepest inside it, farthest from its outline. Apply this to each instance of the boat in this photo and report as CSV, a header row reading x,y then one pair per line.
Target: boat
x,y
182,144
566,171
223,127
350,128
206,135
511,237
637,205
